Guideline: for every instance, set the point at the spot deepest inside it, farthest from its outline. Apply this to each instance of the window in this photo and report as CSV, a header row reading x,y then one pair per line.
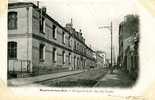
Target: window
x,y
54,32
63,37
54,55
12,20
75,45
80,47
42,24
12,50
63,57
84,50
69,58
77,61
42,52
69,41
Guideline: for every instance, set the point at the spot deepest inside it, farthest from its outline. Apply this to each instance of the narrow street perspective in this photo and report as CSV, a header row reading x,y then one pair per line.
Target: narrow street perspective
x,y
59,45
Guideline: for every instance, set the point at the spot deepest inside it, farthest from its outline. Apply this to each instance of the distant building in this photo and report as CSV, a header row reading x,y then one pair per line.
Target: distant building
x,y
38,44
100,59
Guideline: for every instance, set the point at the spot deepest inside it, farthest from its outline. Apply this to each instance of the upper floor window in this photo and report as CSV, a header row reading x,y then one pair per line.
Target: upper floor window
x,y
54,31
83,50
12,20
42,25
42,52
63,37
12,50
69,41
75,45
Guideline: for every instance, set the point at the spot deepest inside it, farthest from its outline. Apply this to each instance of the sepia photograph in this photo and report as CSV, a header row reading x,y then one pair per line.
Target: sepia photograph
x,y
73,44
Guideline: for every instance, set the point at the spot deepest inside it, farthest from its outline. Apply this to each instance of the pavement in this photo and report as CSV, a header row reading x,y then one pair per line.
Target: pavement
x,y
35,79
115,79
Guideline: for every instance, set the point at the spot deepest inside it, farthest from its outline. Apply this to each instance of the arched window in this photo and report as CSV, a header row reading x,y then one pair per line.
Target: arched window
x,y
12,20
12,50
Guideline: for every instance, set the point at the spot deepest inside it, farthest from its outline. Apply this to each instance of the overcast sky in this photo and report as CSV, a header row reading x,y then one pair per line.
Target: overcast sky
x,y
89,15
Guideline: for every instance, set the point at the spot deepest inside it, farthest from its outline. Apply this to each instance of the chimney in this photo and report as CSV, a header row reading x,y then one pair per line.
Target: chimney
x,y
38,4
80,31
44,9
71,22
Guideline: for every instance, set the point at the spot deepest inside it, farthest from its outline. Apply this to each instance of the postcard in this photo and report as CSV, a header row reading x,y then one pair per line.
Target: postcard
x,y
70,48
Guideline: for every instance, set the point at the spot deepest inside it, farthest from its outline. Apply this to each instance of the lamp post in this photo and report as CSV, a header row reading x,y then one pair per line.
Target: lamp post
x,y
110,28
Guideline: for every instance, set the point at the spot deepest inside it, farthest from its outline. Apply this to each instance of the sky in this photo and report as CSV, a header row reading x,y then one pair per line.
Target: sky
x,y
89,15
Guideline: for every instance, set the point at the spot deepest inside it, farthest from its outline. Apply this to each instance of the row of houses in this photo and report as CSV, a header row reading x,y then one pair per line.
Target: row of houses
x,y
101,59
38,44
128,58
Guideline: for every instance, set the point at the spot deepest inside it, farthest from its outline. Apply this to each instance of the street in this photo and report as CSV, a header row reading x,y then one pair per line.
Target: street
x,y
90,78
99,77
85,79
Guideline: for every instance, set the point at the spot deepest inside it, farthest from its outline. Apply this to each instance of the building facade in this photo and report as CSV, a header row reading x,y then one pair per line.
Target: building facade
x,y
101,59
38,44
128,45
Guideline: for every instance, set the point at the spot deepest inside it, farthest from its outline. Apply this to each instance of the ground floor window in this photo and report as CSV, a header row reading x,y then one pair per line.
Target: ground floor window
x,y
54,55
69,58
77,62
42,52
12,50
63,57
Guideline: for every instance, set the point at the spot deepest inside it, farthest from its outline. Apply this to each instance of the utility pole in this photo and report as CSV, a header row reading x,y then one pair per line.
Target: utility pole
x,y
111,46
111,32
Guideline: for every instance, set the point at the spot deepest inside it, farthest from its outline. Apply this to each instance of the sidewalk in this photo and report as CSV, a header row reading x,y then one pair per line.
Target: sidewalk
x,y
116,79
30,80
